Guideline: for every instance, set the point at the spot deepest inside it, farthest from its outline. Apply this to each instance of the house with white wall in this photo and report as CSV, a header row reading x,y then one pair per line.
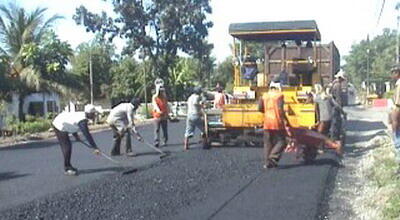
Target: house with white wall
x,y
39,104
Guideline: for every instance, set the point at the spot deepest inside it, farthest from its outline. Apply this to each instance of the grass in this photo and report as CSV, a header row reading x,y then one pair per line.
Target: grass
x,y
381,193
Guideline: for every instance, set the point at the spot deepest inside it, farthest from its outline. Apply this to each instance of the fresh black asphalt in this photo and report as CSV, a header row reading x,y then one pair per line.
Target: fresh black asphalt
x,y
220,183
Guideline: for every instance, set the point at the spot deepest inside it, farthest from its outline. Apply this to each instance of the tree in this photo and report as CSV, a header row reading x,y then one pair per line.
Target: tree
x,y
17,30
156,28
126,80
224,74
380,58
5,86
101,53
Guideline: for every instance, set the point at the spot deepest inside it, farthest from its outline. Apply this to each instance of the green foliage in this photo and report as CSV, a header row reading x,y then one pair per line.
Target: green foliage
x,y
392,210
224,74
388,95
50,56
20,34
381,57
127,80
101,54
32,125
155,29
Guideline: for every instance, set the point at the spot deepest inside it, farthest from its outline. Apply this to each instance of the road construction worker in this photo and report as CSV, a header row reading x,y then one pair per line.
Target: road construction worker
x,y
325,105
337,94
275,123
194,117
70,123
395,113
219,97
121,121
160,113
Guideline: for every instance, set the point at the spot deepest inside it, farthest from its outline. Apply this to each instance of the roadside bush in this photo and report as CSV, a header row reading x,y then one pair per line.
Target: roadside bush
x,y
35,126
381,193
388,95
30,126
142,110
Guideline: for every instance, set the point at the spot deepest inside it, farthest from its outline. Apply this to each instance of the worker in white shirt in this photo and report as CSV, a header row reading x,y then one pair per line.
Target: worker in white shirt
x,y
70,123
121,121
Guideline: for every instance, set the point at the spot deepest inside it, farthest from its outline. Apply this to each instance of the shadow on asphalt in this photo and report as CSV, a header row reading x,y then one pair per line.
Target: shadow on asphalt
x,y
317,162
11,175
357,125
98,170
352,151
26,146
352,139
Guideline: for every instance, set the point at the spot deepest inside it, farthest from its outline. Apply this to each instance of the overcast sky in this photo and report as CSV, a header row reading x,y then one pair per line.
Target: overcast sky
x,y
343,21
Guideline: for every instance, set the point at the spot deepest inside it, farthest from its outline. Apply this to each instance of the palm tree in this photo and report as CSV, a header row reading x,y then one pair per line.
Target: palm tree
x,y
18,29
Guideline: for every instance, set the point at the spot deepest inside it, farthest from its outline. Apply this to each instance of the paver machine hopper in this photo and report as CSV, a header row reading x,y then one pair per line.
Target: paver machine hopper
x,y
262,51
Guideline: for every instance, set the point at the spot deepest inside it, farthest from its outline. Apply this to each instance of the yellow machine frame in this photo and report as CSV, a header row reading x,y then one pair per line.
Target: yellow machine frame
x,y
244,113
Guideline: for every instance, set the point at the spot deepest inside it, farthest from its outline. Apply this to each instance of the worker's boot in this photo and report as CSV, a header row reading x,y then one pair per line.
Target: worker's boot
x,y
186,144
205,143
116,149
70,171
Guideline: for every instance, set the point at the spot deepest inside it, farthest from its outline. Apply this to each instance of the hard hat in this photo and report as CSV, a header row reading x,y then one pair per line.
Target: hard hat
x,y
340,74
90,109
395,67
275,85
159,81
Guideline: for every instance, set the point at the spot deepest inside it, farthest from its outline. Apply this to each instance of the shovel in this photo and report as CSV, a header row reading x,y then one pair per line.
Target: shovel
x,y
127,170
163,154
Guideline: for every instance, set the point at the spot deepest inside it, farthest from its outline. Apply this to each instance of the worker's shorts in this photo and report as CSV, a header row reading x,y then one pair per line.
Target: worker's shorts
x,y
192,122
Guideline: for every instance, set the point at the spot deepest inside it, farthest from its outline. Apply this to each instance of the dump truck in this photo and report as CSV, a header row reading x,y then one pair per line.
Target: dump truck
x,y
263,51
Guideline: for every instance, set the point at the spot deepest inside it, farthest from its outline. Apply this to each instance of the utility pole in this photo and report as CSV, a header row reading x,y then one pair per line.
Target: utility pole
x,y
91,77
368,83
397,41
145,87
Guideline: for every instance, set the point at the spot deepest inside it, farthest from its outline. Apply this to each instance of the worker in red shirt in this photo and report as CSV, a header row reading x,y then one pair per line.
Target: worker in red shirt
x,y
160,113
275,123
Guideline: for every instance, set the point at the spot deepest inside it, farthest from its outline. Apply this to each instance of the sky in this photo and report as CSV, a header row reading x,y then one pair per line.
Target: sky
x,y
343,21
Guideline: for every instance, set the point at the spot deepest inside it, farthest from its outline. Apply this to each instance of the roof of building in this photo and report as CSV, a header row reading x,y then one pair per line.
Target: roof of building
x,y
278,30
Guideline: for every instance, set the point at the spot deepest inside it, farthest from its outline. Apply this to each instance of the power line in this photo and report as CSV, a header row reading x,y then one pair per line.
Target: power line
x,y
380,13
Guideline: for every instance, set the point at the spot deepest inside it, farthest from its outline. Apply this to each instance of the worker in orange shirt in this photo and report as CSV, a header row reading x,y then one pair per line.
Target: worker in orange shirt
x,y
160,113
275,124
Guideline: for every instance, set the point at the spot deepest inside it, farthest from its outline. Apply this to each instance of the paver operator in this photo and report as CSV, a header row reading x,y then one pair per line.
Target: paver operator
x,y
275,123
121,121
70,123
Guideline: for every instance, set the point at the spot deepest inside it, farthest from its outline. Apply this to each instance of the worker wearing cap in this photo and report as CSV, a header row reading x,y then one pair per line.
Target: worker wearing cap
x,y
70,123
395,113
194,117
121,121
275,123
337,94
160,113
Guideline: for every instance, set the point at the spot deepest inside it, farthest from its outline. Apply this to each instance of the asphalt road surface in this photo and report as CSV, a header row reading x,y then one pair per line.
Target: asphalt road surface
x,y
220,183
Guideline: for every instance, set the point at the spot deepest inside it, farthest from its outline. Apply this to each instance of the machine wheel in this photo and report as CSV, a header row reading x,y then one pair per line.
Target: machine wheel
x,y
309,154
